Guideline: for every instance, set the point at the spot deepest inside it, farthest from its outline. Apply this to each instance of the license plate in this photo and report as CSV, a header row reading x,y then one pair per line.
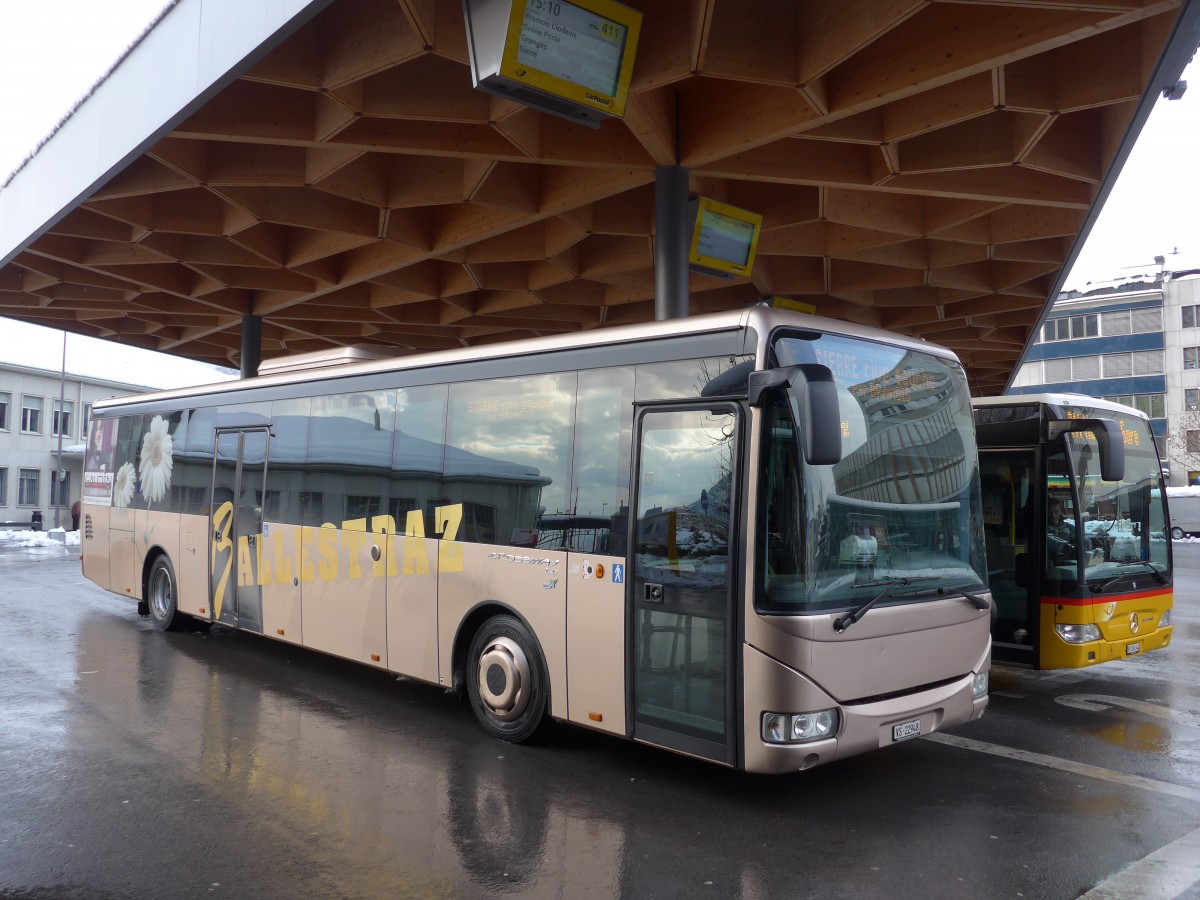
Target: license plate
x,y
906,730
1133,649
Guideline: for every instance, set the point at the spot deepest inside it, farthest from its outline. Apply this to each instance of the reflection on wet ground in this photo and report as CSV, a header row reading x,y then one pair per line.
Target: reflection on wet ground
x,y
210,762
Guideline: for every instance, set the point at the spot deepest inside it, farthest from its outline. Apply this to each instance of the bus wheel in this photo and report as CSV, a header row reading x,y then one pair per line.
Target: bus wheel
x,y
1177,533
161,595
506,680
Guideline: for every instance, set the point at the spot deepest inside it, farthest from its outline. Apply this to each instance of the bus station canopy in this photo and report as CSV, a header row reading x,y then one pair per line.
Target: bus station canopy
x,y
925,167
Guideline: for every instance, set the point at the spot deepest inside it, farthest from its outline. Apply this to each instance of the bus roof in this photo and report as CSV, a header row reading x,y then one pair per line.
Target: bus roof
x,y
1059,399
761,319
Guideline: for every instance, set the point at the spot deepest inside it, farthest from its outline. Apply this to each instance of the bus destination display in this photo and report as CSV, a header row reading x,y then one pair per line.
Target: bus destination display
x,y
574,44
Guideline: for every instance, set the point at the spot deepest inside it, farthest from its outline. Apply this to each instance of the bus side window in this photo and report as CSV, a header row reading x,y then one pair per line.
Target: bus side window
x,y
603,442
418,454
508,454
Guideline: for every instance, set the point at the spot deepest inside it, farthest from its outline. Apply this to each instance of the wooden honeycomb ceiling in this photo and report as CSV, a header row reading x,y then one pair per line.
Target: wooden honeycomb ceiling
x,y
921,166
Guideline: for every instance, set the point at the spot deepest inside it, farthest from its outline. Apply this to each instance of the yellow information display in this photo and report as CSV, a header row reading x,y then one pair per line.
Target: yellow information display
x,y
724,239
573,60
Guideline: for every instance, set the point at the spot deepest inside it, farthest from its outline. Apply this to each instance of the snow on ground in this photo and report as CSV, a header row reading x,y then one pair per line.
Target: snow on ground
x,y
55,538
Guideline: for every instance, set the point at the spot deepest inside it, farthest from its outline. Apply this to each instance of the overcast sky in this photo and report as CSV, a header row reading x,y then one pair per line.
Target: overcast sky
x,y
53,51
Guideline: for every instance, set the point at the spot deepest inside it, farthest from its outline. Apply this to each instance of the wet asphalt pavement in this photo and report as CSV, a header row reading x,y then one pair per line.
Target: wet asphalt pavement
x,y
216,764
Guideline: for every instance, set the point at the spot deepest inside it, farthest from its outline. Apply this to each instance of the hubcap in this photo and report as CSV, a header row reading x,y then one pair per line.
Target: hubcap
x,y
504,678
160,592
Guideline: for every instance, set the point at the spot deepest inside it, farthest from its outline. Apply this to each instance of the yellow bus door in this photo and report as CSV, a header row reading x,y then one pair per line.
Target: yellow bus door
x,y
1014,557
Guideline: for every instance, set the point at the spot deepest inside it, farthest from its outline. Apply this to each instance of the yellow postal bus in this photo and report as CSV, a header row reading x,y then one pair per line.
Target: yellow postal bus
x,y
1076,526
752,537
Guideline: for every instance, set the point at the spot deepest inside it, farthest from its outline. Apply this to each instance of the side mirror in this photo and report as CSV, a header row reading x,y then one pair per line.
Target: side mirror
x,y
814,395
1109,439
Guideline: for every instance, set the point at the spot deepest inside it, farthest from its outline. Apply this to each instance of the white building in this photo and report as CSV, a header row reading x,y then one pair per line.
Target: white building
x,y
1138,344
30,418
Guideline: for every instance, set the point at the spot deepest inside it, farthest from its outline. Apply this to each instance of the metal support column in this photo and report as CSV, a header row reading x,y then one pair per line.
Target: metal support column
x,y
251,345
673,237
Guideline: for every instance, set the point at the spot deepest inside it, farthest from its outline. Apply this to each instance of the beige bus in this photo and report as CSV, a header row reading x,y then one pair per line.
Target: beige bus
x,y
753,537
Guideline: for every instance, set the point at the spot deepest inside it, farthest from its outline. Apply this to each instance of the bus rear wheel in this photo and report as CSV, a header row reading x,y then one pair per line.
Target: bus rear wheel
x,y
162,596
506,679
1177,533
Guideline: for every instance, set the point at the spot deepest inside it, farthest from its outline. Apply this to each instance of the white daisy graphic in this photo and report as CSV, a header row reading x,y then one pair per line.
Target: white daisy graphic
x,y
155,468
123,485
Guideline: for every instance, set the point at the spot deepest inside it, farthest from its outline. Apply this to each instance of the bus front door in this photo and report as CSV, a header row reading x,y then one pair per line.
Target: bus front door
x,y
235,527
680,594
1013,553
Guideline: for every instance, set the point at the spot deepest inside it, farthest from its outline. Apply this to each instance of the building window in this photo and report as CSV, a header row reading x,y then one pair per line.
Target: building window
x,y
3,486
5,402
1153,405
1148,362
1191,357
1069,327
61,423
1145,321
60,492
85,427
1190,319
1057,370
27,490
1191,399
1029,374
1085,368
1085,326
1118,365
31,414
1193,442
1114,323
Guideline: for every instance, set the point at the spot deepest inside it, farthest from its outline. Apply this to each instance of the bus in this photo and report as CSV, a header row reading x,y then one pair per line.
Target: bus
x,y
1075,519
751,537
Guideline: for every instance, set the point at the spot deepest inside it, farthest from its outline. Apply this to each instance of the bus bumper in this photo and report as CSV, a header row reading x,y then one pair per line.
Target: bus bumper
x,y
862,727
1077,656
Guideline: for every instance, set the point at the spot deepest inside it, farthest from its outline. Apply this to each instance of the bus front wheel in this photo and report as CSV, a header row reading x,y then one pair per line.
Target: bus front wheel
x,y
162,595
507,681
1177,533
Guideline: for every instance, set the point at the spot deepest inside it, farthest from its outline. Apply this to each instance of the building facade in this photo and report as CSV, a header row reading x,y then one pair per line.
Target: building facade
x,y
1137,344
37,483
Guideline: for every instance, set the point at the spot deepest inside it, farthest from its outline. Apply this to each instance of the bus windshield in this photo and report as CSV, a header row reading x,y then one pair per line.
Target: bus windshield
x,y
1124,523
901,511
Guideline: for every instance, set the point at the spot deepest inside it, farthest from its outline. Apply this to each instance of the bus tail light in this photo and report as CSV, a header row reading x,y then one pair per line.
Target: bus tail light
x,y
1078,634
799,728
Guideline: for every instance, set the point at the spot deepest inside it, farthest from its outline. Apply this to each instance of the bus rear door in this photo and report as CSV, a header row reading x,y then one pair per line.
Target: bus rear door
x,y
235,526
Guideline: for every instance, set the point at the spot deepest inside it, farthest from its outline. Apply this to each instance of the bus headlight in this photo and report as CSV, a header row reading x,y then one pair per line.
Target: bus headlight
x,y
979,686
1078,634
1164,620
799,728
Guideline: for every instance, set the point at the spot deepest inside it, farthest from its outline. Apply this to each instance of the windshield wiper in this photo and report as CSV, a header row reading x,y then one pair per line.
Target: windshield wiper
x,y
974,599
1159,576
889,584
